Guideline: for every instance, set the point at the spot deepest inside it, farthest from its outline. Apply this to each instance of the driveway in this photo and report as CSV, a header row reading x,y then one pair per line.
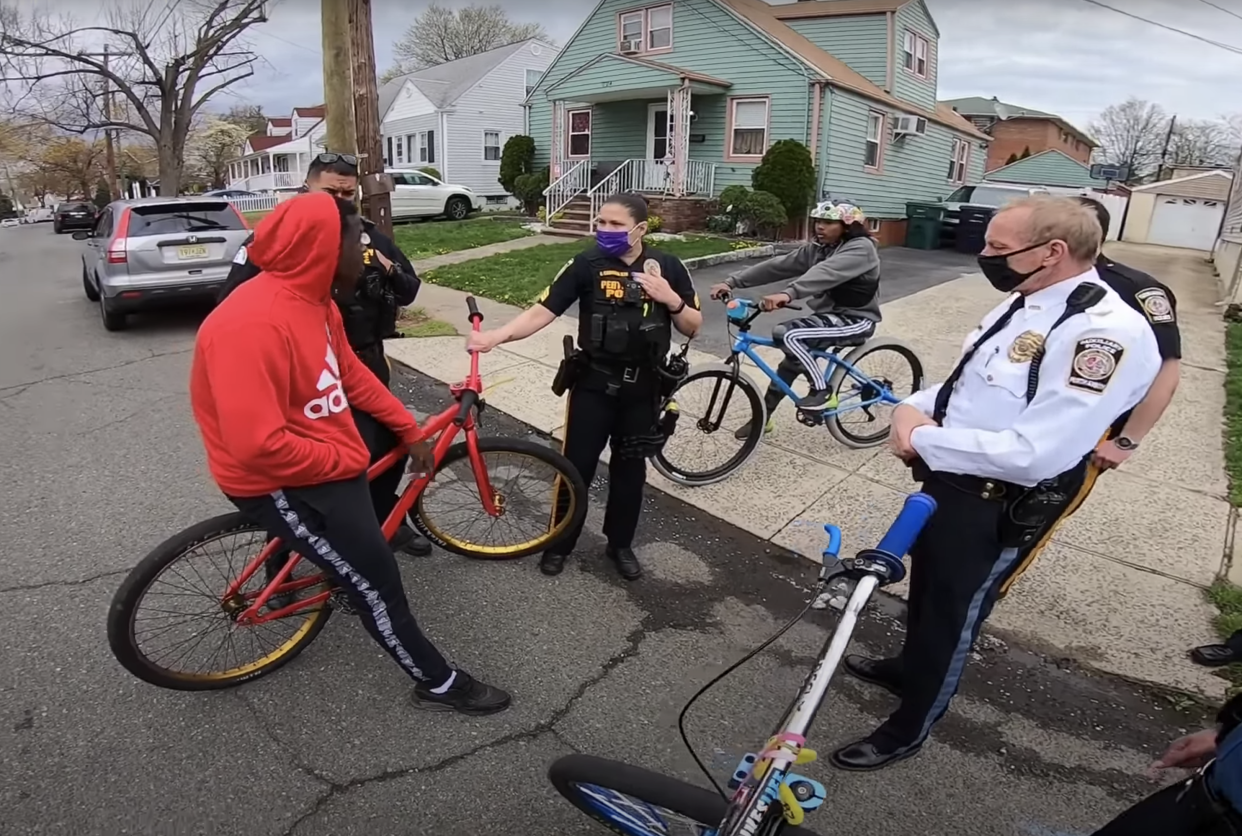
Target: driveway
x,y
903,272
102,461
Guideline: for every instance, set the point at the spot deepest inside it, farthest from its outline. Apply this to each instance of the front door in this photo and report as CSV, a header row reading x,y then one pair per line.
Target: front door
x,y
655,171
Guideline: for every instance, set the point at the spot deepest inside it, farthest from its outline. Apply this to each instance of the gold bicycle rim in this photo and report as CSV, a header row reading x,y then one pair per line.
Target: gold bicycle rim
x,y
534,544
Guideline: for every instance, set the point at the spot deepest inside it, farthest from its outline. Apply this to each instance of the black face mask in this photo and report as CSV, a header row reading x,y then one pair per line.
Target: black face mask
x,y
1003,277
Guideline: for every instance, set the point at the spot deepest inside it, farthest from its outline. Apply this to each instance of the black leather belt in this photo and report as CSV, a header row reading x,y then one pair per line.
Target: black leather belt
x,y
992,489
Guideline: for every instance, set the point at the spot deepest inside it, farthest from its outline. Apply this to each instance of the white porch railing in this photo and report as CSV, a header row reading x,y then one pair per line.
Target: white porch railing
x,y
259,203
575,181
654,176
269,181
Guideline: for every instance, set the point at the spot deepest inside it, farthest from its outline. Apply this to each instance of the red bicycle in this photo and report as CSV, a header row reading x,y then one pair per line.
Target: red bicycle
x,y
262,617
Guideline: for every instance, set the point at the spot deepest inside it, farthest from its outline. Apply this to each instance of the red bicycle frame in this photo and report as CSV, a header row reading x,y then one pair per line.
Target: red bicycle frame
x,y
446,425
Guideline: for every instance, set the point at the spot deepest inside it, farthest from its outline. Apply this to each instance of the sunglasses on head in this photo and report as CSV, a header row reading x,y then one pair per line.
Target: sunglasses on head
x,y
328,158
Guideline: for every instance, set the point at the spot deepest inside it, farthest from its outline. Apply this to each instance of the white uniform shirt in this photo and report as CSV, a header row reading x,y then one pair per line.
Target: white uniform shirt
x,y
1097,365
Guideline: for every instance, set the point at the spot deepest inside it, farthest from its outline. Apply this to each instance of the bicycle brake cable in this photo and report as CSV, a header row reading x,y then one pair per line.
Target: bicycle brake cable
x,y
681,718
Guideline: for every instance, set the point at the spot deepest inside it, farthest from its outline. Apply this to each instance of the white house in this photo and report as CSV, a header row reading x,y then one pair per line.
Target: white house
x,y
456,117
276,159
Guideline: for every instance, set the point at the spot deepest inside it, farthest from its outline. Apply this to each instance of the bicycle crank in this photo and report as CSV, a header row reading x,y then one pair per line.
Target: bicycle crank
x,y
809,419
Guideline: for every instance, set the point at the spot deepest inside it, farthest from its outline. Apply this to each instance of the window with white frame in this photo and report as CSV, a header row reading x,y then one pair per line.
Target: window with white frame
x,y
650,28
400,143
659,27
914,53
749,134
875,141
491,146
532,80
959,160
579,133
422,148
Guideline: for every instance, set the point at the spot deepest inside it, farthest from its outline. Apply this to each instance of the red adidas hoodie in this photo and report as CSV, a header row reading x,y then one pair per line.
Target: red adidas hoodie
x,y
273,375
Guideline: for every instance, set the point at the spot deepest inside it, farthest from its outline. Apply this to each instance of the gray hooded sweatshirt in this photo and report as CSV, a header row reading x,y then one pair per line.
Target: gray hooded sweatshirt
x,y
842,278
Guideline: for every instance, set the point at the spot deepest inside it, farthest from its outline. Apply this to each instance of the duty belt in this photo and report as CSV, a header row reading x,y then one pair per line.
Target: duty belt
x,y
991,489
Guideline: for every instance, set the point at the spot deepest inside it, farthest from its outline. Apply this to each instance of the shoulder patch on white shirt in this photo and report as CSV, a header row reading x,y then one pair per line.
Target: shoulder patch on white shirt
x,y
1155,304
241,256
1094,364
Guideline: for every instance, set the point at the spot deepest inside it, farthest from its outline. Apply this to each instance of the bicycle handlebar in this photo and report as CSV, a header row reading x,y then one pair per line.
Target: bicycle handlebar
x,y
900,536
475,315
474,383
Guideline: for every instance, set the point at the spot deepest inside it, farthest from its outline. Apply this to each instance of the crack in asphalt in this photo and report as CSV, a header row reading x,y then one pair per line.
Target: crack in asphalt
x,y
546,727
72,582
22,387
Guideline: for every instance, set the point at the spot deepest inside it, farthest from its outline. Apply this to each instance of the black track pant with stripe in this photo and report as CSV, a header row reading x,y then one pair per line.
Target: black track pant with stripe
x,y
334,526
1179,810
818,332
958,569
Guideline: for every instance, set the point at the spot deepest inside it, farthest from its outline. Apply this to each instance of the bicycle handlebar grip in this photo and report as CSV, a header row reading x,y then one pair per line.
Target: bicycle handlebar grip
x,y
473,307
901,534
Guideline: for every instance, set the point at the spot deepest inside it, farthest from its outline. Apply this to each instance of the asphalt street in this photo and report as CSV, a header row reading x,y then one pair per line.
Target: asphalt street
x,y
100,461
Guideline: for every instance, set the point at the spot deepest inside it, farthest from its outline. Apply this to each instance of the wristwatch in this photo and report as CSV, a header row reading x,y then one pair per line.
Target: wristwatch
x,y
1124,443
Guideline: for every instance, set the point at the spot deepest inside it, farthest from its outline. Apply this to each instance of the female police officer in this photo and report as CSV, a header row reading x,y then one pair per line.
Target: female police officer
x,y
630,297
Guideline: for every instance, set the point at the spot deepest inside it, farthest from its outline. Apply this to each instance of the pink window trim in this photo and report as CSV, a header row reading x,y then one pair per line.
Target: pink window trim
x,y
767,129
878,168
645,35
569,133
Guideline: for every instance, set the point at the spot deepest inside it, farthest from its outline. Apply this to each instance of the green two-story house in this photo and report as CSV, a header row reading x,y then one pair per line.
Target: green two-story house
x,y
681,98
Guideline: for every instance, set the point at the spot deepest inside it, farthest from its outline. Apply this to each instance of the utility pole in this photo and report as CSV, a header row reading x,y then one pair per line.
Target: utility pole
x,y
1168,141
376,186
109,146
338,88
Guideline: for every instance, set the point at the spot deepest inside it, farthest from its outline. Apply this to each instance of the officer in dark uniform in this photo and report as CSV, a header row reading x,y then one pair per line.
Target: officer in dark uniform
x,y
370,316
630,298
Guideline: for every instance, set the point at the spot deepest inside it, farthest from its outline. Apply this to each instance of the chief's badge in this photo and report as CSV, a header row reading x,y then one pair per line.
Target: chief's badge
x,y
1025,347
366,240
652,268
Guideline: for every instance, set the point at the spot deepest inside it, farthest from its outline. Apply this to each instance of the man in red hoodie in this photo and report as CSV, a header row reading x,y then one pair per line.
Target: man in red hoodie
x,y
273,403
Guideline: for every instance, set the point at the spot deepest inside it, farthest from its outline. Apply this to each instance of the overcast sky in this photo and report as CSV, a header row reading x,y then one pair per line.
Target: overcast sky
x,y
1065,56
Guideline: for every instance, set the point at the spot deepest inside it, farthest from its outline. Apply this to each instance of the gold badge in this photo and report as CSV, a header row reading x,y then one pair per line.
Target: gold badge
x,y
652,268
1025,347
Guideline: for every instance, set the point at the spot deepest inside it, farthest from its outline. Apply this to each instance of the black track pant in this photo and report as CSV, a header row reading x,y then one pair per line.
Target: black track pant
x,y
334,526
958,568
1174,811
592,418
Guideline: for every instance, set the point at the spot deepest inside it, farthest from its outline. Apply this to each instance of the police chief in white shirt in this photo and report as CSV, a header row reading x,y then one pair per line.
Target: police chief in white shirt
x,y
1003,445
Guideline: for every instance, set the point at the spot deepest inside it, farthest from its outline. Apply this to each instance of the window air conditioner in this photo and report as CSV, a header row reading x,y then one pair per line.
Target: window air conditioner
x,y
631,47
910,126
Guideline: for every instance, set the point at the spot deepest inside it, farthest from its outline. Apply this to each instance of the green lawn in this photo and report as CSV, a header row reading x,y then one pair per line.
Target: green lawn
x,y
255,217
518,277
420,240
416,322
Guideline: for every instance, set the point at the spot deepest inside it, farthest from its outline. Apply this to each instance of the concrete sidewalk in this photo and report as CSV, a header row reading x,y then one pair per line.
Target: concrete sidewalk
x,y
1121,586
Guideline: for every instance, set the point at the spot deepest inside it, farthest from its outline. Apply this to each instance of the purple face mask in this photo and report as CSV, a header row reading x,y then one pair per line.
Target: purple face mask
x,y
612,241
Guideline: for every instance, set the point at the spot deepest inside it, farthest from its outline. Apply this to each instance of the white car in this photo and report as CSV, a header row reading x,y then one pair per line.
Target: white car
x,y
8,222
988,195
417,194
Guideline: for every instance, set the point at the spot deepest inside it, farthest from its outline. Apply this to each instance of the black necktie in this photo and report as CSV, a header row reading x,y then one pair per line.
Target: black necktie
x,y
942,397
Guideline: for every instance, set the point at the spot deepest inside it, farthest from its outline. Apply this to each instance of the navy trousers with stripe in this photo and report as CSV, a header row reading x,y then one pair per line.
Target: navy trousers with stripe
x,y
957,569
334,526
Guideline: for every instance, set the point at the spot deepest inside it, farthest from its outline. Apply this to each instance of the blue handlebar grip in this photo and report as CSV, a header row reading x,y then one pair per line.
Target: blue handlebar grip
x,y
834,542
901,534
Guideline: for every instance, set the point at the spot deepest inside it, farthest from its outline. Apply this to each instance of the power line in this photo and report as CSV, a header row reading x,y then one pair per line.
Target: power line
x,y
284,41
1221,8
1228,47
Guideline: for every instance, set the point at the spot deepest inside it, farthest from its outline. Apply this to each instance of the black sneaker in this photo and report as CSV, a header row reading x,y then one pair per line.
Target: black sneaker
x,y
817,401
411,542
628,566
552,564
466,696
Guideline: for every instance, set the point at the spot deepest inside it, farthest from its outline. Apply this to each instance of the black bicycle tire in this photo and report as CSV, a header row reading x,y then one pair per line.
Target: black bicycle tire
x,y
737,380
131,591
703,805
840,373
491,444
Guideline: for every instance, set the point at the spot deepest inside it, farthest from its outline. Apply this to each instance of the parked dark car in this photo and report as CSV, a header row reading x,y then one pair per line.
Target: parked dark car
x,y
71,216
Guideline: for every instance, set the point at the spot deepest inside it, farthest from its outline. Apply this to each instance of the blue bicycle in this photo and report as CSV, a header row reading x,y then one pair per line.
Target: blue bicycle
x,y
857,413
765,795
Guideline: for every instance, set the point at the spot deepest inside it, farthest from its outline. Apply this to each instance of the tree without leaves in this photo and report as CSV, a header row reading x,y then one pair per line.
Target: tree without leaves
x,y
171,59
75,165
1131,134
1201,143
248,116
440,35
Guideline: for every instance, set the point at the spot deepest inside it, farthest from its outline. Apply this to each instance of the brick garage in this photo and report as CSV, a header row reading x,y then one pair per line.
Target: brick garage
x,y
892,233
680,214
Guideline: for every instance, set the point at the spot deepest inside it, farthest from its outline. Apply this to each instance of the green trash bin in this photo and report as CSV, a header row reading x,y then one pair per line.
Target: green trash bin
x,y
923,224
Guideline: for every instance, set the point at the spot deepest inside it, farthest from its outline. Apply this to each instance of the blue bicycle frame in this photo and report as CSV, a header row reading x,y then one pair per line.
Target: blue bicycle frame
x,y
742,312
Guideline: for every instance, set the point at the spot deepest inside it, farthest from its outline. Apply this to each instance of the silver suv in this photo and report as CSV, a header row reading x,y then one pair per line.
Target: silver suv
x,y
155,251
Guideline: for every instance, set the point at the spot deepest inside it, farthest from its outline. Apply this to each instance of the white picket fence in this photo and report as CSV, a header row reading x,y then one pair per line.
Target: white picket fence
x,y
258,203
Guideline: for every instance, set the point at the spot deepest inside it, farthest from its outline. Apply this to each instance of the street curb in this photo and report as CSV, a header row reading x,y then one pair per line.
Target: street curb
x,y
733,255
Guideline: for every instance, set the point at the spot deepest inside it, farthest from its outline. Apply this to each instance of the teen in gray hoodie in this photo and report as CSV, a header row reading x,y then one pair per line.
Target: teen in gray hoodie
x,y
837,277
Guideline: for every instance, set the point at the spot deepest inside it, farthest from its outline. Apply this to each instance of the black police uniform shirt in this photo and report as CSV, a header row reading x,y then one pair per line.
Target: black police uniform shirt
x,y
1150,298
405,283
591,271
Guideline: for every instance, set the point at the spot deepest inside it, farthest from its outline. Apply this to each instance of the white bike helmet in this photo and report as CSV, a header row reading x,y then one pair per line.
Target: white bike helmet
x,y
846,213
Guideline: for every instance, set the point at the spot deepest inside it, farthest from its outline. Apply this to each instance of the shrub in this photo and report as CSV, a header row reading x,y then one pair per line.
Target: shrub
x,y
434,172
654,223
103,195
787,172
765,213
517,158
733,201
529,188
721,224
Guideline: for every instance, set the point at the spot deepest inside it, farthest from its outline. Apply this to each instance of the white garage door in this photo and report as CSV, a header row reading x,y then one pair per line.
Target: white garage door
x,y
1190,222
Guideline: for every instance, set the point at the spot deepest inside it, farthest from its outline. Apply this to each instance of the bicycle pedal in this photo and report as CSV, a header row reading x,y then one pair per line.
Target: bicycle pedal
x,y
341,602
809,419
